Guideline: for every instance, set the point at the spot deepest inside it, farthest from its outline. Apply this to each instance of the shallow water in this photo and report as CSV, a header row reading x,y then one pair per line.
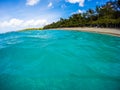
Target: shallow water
x,y
59,60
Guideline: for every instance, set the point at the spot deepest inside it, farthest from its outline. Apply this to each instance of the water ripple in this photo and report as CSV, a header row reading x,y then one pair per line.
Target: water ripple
x,y
60,60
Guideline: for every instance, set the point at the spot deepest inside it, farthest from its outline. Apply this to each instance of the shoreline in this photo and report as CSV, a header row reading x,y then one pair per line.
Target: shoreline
x,y
109,31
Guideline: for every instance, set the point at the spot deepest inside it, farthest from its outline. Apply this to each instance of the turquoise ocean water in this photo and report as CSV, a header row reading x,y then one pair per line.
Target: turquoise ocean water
x,y
59,60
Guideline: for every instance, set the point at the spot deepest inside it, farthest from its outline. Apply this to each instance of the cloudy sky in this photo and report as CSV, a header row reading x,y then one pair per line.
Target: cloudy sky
x,y
19,14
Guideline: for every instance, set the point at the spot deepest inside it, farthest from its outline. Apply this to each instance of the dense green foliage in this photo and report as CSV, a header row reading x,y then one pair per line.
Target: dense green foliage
x,y
107,15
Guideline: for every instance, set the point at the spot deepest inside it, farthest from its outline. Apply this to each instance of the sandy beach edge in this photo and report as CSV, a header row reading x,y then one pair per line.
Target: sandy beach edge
x,y
109,31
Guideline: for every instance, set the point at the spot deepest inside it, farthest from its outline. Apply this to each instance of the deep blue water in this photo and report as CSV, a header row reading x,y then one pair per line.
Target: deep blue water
x,y
59,60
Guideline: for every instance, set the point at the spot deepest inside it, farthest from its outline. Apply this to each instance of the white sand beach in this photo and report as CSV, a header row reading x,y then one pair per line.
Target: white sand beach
x,y
111,31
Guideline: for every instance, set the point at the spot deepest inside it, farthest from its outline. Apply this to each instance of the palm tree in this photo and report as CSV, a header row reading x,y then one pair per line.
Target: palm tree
x,y
90,14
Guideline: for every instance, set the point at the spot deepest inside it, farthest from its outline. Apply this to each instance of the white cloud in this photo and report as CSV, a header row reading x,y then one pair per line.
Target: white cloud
x,y
81,2
50,4
32,2
17,24
78,11
35,23
12,22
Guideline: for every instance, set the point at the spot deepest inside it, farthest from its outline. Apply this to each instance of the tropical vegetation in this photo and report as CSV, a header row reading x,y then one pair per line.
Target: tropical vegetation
x,y
107,15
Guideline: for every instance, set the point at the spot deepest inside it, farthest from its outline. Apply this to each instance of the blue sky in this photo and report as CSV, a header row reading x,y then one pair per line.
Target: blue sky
x,y
19,14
